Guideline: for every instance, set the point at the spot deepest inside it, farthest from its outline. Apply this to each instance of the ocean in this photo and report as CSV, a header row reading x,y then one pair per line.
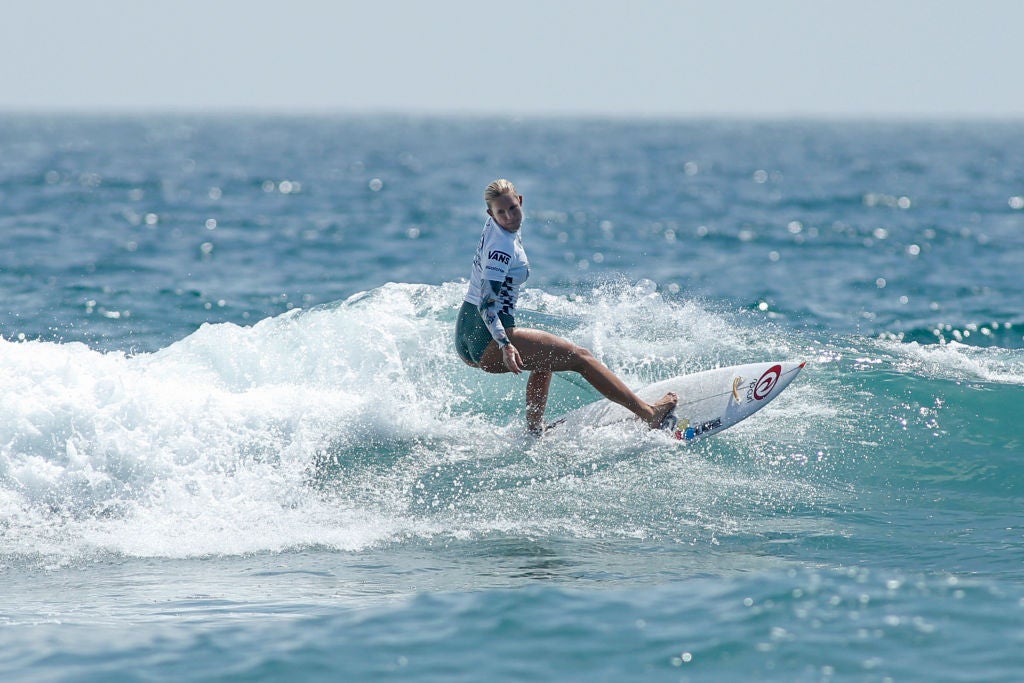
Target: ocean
x,y
236,443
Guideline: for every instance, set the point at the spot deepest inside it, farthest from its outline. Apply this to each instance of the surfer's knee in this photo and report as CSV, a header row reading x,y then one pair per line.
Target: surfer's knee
x,y
583,356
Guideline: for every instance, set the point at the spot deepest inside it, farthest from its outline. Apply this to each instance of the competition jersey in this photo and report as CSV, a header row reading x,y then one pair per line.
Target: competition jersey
x,y
500,267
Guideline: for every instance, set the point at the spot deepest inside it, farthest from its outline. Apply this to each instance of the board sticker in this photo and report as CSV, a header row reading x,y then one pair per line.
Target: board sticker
x,y
763,387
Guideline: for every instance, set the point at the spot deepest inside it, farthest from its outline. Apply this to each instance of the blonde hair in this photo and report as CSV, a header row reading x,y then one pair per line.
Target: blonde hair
x,y
498,188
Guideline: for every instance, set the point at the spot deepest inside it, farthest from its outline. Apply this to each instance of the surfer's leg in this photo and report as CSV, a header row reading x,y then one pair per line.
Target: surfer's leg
x,y
491,360
537,399
544,351
536,387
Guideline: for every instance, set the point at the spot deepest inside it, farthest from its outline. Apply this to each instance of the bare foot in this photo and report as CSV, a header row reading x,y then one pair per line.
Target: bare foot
x,y
662,408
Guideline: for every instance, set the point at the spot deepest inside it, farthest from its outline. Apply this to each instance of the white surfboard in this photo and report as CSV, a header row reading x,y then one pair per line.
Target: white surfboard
x,y
709,401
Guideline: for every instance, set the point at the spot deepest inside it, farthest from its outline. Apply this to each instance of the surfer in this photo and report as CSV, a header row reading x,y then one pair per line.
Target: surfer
x,y
486,335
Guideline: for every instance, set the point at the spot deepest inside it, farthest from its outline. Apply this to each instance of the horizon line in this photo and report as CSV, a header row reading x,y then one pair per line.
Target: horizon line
x,y
113,111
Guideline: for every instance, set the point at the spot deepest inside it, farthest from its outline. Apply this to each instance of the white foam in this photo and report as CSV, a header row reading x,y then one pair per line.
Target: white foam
x,y
318,427
957,361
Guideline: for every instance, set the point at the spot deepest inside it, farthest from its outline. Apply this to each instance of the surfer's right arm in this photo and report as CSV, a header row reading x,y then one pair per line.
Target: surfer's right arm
x,y
495,259
490,304
495,289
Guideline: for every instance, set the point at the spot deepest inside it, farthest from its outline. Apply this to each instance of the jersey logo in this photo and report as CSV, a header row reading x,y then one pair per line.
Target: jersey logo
x,y
496,255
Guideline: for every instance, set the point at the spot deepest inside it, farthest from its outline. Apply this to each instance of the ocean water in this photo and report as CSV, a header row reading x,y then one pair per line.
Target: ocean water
x,y
235,443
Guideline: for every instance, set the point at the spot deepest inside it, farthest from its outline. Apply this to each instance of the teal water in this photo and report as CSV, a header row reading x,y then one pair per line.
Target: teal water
x,y
236,444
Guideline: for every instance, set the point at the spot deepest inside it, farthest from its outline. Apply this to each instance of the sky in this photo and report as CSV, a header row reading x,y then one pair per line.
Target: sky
x,y
646,58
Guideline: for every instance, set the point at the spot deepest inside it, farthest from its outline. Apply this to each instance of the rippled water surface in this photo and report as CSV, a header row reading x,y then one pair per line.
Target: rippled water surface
x,y
236,443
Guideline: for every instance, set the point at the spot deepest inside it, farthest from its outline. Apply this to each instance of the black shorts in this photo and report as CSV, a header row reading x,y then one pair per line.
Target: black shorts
x,y
472,335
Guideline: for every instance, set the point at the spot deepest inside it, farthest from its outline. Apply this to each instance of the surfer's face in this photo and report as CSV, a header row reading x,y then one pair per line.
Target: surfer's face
x,y
507,211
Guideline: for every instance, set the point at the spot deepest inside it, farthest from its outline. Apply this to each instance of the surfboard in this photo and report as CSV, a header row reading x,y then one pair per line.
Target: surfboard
x,y
709,401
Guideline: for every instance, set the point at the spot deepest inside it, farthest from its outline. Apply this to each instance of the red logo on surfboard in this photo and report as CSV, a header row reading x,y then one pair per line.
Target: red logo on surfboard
x,y
767,382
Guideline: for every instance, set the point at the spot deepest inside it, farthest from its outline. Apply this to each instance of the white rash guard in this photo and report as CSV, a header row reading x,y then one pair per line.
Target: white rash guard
x,y
500,267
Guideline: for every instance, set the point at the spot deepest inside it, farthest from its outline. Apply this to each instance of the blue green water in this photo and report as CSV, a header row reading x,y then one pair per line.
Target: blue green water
x,y
236,445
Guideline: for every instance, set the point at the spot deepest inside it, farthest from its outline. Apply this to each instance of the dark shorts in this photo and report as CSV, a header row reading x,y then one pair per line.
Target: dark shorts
x,y
471,335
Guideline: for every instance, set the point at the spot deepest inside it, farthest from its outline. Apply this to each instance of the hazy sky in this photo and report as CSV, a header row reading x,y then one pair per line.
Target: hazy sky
x,y
632,57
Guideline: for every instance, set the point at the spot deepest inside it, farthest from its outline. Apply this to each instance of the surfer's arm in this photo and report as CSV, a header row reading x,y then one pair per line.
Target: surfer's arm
x,y
489,305
498,247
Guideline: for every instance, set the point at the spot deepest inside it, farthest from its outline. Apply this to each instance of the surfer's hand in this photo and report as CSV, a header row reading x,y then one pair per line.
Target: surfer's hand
x,y
513,361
